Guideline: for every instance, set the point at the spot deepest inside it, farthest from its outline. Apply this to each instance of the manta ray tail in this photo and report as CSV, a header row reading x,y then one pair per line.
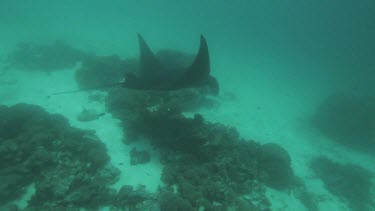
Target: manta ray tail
x,y
90,89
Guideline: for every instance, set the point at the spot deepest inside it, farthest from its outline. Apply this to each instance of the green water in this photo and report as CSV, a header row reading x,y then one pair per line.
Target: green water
x,y
279,59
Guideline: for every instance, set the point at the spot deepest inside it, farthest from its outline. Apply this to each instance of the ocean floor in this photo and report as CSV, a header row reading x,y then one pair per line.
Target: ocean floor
x,y
260,107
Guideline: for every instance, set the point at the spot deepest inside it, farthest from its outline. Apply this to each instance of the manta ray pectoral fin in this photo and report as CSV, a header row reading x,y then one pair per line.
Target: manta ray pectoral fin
x,y
200,69
149,65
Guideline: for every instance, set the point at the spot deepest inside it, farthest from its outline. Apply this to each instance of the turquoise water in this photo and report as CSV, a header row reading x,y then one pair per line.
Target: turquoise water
x,y
276,62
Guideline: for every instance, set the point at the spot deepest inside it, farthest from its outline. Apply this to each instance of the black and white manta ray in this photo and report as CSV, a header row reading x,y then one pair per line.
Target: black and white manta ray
x,y
153,75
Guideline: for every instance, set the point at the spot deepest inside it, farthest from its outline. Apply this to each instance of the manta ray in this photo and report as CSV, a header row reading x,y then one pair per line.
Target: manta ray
x,y
154,75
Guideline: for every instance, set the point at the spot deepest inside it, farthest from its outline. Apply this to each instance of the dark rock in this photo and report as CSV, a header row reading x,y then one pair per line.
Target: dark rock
x,y
217,180
169,129
126,104
12,185
139,157
308,199
206,165
9,207
348,120
349,182
275,166
243,205
16,118
172,202
209,164
129,198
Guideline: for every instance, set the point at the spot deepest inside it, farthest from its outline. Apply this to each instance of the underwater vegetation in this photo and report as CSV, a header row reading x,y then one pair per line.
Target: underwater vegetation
x,y
36,57
349,182
348,120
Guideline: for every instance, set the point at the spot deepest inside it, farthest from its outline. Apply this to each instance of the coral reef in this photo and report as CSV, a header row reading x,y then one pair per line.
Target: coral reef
x,y
348,120
172,202
206,166
349,182
34,57
69,167
134,199
223,174
166,128
275,166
